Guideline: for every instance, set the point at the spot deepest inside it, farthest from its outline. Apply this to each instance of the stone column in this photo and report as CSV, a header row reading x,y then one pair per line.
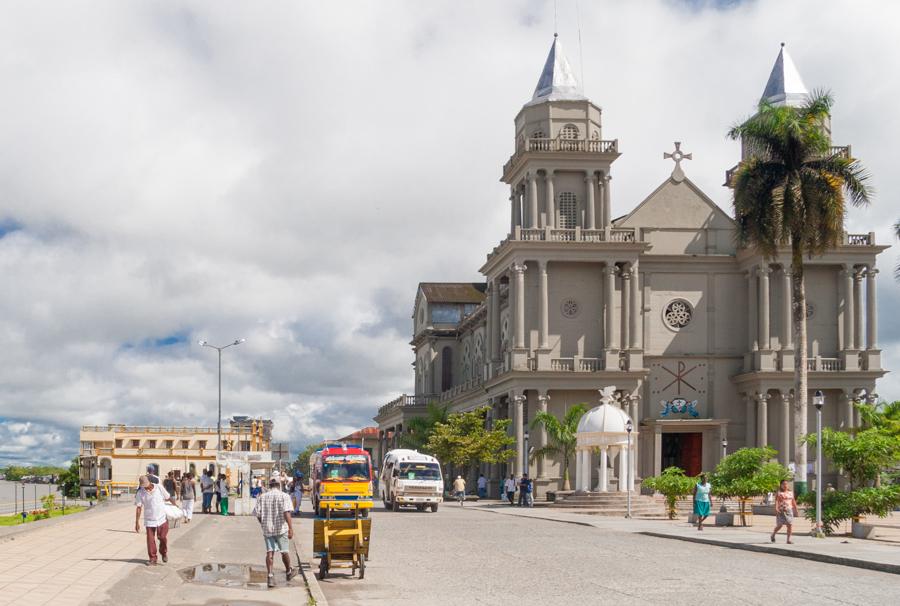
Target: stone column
x,y
519,401
495,320
750,430
542,436
609,283
623,468
871,310
626,307
723,437
532,202
657,450
591,207
515,217
764,341
752,328
634,312
519,274
762,419
489,323
857,311
786,427
787,333
849,313
578,469
551,199
606,198
847,414
544,307
604,472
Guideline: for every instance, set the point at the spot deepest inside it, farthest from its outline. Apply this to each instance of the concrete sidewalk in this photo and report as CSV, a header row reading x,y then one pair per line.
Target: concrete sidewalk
x,y
871,555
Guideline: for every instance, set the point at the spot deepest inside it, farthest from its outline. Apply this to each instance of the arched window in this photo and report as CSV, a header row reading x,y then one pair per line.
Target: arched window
x,y
446,368
569,131
568,210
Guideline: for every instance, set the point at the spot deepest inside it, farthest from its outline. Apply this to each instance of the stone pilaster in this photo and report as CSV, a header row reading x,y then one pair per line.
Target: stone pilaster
x,y
611,352
532,202
551,198
606,200
589,198
762,419
766,359
787,322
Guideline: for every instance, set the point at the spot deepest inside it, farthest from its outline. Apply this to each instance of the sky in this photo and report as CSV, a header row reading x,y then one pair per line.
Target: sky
x,y
288,172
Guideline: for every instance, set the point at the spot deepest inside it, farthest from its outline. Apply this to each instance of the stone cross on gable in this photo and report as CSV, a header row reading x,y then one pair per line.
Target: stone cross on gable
x,y
678,156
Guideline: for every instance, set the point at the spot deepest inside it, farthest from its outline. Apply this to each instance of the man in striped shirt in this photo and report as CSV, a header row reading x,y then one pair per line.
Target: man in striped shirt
x,y
273,510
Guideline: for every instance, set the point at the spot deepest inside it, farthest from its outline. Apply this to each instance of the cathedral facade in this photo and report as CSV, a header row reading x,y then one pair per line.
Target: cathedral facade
x,y
694,333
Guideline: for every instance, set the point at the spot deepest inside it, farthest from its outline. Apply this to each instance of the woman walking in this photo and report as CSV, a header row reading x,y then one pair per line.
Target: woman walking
x,y
701,500
785,510
188,494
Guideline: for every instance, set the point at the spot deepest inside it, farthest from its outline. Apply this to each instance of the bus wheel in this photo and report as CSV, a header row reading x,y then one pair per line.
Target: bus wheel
x,y
420,508
395,506
434,507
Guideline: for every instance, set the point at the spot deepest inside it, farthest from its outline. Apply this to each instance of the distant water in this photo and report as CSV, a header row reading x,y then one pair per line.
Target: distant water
x,y
11,495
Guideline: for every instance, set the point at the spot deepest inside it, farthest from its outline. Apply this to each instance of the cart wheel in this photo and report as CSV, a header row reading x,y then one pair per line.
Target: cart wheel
x,y
323,568
362,566
364,513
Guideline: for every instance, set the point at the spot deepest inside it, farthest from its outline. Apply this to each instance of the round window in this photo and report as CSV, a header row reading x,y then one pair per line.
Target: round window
x,y
678,314
570,308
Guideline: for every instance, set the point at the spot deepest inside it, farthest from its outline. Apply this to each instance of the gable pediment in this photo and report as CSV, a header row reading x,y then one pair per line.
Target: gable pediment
x,y
677,205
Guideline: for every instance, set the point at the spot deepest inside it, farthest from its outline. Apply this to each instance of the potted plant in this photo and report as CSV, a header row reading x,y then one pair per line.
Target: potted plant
x,y
673,485
747,473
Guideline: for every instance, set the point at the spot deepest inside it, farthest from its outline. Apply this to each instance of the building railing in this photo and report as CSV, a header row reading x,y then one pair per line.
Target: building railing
x,y
576,364
405,400
824,364
576,234
589,146
165,429
462,388
859,239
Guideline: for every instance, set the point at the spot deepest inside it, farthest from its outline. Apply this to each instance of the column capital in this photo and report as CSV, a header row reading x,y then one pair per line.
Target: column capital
x,y
763,271
542,265
518,268
519,399
543,398
858,273
872,272
626,273
548,174
786,271
762,398
610,269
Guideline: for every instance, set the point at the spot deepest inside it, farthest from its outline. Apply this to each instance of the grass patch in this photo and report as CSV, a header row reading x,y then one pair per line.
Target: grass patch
x,y
16,520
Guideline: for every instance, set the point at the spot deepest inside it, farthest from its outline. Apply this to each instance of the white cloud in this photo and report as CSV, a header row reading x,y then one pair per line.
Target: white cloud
x,y
289,174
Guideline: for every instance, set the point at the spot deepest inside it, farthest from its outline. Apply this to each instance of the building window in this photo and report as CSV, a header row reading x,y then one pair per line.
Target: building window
x,y
202,443
118,443
568,210
151,443
446,368
135,443
170,443
444,313
569,131
678,314
185,444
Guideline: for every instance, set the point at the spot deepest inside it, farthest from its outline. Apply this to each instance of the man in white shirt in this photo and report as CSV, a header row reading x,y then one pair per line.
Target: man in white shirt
x,y
151,499
206,487
273,510
510,488
482,487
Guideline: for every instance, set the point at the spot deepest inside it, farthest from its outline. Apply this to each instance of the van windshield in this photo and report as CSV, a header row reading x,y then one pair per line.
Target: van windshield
x,y
346,467
420,471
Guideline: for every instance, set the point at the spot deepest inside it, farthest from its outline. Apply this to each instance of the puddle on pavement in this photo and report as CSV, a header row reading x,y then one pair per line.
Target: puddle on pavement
x,y
227,575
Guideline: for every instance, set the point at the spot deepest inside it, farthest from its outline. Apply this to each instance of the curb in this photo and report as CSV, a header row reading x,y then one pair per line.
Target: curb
x,y
803,555
313,589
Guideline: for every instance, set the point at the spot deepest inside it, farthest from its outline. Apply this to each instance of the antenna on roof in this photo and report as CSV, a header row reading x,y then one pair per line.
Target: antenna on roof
x,y
555,21
580,51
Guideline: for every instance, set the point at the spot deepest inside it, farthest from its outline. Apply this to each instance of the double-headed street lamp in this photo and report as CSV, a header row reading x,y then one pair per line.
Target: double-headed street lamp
x,y
818,402
203,343
629,427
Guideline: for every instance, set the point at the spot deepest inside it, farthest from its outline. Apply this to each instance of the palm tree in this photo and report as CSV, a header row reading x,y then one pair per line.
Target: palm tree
x,y
560,437
419,429
792,193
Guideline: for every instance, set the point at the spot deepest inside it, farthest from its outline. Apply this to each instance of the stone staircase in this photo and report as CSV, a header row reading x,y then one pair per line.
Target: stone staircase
x,y
614,504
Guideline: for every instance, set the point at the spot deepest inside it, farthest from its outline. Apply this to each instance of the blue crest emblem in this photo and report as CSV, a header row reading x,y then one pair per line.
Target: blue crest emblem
x,y
679,406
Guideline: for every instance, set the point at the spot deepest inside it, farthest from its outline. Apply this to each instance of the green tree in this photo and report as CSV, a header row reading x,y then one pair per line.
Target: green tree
x,y
561,436
301,463
840,506
673,485
746,473
464,441
70,480
791,194
861,457
884,416
419,429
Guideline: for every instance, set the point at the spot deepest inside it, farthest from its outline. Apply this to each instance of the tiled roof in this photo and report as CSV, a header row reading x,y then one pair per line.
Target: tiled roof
x,y
453,292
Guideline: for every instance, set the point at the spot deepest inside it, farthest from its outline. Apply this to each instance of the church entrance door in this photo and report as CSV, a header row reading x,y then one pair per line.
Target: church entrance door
x,y
683,450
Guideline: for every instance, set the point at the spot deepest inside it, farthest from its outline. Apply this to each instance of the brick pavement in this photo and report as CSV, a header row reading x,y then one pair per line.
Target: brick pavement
x,y
64,563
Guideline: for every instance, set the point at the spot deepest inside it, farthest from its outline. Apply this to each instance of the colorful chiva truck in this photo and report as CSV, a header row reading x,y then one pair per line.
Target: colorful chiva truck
x,y
341,479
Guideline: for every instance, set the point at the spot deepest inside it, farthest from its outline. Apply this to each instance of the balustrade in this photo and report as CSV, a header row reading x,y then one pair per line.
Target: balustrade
x,y
821,364
591,146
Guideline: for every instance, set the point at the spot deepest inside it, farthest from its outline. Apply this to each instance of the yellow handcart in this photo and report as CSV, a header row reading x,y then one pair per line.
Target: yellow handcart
x,y
342,542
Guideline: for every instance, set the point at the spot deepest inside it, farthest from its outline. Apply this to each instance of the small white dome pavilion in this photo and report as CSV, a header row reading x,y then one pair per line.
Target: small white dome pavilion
x,y
604,428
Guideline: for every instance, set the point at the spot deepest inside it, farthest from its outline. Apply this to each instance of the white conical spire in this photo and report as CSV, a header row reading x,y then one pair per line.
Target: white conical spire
x,y
785,86
557,79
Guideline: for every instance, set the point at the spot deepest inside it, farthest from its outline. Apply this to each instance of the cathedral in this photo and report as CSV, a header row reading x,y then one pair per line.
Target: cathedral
x,y
693,333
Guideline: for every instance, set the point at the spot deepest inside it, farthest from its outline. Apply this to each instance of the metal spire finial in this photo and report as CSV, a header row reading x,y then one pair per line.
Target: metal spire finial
x,y
678,156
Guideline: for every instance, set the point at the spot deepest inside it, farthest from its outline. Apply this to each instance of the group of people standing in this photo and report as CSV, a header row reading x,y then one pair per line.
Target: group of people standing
x,y
218,488
785,506
525,486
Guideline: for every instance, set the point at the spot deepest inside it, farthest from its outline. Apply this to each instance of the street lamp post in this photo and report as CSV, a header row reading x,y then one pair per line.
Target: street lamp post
x,y
629,427
724,447
203,343
819,401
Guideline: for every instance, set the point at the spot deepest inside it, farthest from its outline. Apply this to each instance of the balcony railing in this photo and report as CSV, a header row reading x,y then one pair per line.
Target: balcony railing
x,y
824,364
405,400
577,234
589,146
576,364
859,239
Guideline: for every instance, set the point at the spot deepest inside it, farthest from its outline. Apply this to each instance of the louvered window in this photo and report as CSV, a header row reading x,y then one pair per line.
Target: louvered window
x,y
568,209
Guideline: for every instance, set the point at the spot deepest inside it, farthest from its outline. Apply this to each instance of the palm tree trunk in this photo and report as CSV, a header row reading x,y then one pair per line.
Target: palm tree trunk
x,y
798,295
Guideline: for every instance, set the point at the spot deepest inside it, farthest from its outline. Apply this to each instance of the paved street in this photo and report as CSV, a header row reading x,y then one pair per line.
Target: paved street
x,y
474,556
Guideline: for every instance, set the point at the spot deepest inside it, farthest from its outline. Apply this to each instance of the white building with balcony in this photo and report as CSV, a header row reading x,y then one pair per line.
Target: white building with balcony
x,y
694,333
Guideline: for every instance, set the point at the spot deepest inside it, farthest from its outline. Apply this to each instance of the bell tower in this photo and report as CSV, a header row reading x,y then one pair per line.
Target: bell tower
x,y
559,174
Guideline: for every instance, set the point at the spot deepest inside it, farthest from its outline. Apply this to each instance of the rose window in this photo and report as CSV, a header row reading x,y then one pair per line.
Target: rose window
x,y
678,314
569,308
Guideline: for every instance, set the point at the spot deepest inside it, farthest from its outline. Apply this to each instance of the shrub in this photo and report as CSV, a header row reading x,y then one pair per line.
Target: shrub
x,y
839,507
747,473
673,485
